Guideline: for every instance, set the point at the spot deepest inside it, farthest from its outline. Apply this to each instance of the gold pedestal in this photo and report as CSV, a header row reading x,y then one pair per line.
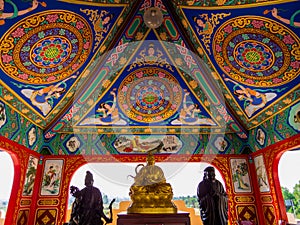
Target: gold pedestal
x,y
150,193
151,203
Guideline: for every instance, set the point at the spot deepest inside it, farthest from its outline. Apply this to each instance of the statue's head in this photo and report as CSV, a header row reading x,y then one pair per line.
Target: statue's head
x,y
209,173
150,159
88,179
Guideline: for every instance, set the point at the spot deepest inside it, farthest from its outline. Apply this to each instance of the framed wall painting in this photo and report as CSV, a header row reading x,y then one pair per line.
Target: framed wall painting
x,y
240,175
52,176
261,174
30,176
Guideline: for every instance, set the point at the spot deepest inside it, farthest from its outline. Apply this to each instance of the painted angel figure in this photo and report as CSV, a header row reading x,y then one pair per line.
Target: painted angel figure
x,y
253,100
43,98
290,21
16,12
191,113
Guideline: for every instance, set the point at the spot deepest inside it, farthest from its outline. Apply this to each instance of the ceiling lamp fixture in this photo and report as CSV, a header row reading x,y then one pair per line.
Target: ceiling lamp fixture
x,y
153,17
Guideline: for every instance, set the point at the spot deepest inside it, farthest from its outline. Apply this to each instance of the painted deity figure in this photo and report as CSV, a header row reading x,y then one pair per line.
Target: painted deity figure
x,y
43,98
16,12
290,21
212,198
189,112
240,172
101,24
253,99
203,27
50,177
109,113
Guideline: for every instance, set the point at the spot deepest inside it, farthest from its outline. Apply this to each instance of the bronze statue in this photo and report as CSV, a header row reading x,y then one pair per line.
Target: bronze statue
x,y
87,209
213,200
150,193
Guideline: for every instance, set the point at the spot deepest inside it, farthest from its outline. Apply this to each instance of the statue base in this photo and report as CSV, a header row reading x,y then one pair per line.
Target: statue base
x,y
135,208
152,203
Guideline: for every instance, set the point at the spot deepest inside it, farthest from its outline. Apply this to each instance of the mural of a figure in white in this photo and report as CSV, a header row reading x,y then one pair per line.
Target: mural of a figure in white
x,y
32,136
261,174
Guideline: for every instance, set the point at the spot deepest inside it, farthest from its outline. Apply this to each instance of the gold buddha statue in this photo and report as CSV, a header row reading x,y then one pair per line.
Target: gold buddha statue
x,y
150,193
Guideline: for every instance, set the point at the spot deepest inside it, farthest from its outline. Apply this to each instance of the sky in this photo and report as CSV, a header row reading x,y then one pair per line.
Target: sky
x,y
184,178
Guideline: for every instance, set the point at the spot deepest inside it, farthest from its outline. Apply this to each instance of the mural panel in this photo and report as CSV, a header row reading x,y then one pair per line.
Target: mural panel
x,y
30,176
147,143
261,173
52,177
240,175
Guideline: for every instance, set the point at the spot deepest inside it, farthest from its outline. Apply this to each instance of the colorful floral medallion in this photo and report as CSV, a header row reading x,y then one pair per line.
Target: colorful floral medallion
x,y
257,51
46,47
149,95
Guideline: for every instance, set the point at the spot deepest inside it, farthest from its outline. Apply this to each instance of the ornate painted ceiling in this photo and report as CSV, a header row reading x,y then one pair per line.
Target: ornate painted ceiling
x,y
223,66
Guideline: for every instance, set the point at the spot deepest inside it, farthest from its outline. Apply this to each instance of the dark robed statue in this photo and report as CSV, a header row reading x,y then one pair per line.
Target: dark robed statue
x,y
87,208
213,201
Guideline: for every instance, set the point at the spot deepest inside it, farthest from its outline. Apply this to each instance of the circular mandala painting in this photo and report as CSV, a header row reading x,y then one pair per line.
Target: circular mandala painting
x,y
149,95
45,47
257,51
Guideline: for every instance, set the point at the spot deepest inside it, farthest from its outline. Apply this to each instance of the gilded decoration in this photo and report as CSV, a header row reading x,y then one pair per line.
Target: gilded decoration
x,y
25,202
257,51
50,202
244,199
101,24
269,214
150,193
266,199
46,216
205,26
45,48
23,217
246,212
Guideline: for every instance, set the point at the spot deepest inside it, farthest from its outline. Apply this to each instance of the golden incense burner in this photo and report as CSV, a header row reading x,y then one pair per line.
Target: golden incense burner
x,y
150,193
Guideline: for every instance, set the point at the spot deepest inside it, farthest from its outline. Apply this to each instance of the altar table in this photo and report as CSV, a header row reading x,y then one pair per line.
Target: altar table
x,y
179,218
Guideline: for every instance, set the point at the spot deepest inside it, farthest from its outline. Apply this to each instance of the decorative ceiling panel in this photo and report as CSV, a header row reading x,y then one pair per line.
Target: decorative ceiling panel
x,y
83,67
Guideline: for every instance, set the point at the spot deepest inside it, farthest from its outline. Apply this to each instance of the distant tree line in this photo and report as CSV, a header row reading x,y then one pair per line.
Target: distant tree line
x,y
190,201
292,200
